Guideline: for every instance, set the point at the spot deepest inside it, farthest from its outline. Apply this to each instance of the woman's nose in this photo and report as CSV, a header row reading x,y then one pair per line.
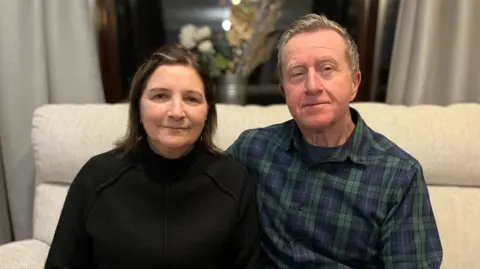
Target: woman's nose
x,y
176,110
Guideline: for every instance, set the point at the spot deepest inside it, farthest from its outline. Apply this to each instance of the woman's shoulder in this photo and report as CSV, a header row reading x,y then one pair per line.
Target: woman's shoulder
x,y
228,172
106,160
102,167
224,164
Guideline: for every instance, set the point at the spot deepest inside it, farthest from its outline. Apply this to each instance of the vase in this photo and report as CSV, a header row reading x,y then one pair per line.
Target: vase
x,y
231,89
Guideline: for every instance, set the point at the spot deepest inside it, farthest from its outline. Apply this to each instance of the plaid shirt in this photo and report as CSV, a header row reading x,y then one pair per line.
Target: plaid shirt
x,y
365,206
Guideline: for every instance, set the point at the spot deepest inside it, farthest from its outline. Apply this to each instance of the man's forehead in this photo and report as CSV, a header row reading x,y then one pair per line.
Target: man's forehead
x,y
322,38
313,53
320,42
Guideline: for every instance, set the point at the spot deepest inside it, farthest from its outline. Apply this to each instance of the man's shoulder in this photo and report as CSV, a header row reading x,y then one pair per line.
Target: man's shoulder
x,y
384,148
254,144
265,134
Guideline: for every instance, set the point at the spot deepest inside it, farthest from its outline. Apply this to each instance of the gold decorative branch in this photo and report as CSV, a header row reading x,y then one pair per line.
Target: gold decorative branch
x,y
258,48
248,43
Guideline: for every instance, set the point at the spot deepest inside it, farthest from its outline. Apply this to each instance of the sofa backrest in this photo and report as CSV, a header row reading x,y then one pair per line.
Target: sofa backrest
x,y
444,139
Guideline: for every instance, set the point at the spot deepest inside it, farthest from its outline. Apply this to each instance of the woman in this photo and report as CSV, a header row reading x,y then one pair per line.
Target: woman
x,y
165,197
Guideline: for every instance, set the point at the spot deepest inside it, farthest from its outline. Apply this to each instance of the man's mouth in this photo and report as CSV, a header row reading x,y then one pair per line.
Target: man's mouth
x,y
314,104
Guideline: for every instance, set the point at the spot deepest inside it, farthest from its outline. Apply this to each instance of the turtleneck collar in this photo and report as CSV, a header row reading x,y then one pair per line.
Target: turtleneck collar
x,y
158,152
160,167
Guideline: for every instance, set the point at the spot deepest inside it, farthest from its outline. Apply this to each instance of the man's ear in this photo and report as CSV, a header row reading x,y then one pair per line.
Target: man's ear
x,y
282,90
356,79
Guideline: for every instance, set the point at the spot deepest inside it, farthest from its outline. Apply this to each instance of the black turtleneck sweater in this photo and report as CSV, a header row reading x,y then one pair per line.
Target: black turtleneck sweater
x,y
146,211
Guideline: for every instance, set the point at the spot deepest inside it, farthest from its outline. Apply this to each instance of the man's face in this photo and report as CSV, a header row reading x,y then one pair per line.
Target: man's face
x,y
317,81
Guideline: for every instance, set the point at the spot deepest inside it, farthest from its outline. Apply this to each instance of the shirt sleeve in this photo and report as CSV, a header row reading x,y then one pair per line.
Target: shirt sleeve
x,y
71,247
245,241
234,148
239,148
409,236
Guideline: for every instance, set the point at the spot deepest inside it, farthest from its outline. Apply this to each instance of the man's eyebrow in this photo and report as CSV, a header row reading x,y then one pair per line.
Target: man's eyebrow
x,y
327,59
321,60
294,65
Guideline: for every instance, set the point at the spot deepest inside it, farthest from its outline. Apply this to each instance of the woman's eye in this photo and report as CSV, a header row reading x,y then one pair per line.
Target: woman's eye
x,y
192,100
160,96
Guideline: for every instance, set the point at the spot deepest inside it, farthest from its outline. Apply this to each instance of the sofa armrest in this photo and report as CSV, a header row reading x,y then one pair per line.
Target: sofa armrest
x,y
25,254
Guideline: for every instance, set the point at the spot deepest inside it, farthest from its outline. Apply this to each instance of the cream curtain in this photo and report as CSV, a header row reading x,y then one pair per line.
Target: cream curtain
x,y
436,54
48,54
5,227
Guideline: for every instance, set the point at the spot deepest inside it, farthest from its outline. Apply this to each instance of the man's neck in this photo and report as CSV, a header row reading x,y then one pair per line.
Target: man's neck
x,y
331,136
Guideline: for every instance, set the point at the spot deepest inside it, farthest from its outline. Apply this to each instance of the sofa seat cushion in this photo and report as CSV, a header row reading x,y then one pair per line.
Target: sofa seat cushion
x,y
457,213
49,201
26,254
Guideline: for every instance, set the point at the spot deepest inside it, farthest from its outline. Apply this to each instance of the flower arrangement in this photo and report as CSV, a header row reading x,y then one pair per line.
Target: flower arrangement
x,y
248,43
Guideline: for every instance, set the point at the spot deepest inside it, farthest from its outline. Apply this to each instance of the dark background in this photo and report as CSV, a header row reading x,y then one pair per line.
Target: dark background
x,y
133,29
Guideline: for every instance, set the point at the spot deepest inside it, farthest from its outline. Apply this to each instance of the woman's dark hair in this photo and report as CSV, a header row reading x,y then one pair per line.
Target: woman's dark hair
x,y
167,55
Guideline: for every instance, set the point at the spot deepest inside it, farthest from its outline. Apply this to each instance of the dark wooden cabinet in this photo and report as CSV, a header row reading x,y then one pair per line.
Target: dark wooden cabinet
x,y
129,31
108,50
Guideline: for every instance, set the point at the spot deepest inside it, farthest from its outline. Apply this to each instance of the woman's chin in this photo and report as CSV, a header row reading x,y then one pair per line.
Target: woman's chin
x,y
175,144
171,142
172,149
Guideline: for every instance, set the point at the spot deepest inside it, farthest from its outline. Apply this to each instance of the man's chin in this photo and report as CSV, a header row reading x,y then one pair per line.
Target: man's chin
x,y
318,126
316,123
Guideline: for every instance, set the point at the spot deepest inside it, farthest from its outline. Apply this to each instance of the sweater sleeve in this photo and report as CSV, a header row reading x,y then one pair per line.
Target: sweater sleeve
x,y
246,242
71,246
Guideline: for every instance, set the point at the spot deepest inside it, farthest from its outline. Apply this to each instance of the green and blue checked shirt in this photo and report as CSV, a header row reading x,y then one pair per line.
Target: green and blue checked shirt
x,y
365,205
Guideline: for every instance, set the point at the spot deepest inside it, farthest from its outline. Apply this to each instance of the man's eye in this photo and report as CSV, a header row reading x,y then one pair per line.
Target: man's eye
x,y
296,74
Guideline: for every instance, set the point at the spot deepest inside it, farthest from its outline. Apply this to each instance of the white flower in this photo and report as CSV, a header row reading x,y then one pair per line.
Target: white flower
x,y
188,29
206,46
203,33
187,36
188,42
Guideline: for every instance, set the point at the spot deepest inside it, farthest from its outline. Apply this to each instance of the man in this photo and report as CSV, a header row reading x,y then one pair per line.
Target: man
x,y
333,193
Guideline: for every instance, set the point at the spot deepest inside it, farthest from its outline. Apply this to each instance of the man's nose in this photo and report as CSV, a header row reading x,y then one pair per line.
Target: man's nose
x,y
313,83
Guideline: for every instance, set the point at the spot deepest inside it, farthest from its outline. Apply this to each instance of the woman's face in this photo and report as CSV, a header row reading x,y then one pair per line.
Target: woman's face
x,y
173,109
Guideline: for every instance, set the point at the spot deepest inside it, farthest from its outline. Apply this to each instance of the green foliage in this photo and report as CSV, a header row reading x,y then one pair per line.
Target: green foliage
x,y
222,46
220,61
215,63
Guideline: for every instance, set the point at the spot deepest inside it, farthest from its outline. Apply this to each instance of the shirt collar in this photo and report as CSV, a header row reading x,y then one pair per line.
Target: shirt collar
x,y
356,147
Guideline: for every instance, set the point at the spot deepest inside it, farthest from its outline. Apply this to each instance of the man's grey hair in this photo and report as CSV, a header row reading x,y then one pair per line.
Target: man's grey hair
x,y
311,23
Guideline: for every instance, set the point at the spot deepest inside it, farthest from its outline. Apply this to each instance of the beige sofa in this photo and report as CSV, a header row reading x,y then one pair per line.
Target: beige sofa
x,y
446,140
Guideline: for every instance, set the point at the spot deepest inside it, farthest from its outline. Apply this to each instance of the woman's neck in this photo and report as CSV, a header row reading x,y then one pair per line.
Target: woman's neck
x,y
169,153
